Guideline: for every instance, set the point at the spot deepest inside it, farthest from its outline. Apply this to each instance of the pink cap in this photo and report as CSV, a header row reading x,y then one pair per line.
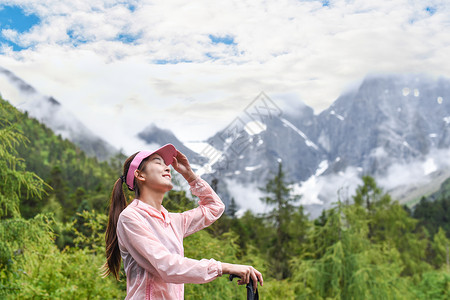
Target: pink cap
x,y
167,152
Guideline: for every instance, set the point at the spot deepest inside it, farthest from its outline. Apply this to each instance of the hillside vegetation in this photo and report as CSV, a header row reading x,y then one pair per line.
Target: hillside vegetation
x,y
53,200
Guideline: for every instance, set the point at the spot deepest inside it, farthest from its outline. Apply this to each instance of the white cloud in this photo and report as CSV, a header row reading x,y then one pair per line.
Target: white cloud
x,y
247,196
326,190
9,34
417,172
296,48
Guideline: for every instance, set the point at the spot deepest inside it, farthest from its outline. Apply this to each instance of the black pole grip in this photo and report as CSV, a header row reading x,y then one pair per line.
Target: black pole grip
x,y
251,294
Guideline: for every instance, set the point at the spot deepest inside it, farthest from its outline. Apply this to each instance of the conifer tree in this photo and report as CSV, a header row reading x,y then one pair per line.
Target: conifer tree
x,y
390,224
232,209
280,197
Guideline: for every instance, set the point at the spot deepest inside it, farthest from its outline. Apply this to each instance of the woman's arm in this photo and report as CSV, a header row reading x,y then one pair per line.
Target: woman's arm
x,y
210,209
210,206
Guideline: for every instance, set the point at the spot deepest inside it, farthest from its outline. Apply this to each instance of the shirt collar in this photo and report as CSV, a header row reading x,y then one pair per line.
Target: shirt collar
x,y
153,212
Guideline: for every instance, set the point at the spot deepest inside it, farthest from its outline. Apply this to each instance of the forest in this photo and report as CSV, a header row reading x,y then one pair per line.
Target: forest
x,y
54,200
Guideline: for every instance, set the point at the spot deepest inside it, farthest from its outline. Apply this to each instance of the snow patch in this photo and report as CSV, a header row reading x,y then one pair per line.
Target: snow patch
x,y
308,142
337,115
323,166
255,127
252,168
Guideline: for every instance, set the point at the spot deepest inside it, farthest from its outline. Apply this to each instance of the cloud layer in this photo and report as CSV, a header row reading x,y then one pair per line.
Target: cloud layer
x,y
193,66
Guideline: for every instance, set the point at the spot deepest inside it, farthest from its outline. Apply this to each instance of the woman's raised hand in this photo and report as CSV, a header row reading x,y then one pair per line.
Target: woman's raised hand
x,y
181,165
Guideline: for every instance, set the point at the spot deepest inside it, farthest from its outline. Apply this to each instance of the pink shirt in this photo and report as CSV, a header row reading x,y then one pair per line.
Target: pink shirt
x,y
151,246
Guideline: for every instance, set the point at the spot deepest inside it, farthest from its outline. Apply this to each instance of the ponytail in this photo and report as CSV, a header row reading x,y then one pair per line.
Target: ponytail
x,y
116,205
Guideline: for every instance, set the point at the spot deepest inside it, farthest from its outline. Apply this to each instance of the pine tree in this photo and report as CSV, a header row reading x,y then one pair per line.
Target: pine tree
x,y
232,209
279,195
390,224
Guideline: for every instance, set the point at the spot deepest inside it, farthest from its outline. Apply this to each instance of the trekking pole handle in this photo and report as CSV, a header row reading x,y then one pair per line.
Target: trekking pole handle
x,y
251,294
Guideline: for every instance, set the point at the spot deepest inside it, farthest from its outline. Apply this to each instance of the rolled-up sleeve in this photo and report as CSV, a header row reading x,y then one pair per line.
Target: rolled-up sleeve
x,y
148,251
209,210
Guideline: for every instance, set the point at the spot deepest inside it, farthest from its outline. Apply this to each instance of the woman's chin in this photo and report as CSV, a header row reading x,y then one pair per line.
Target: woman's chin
x,y
170,186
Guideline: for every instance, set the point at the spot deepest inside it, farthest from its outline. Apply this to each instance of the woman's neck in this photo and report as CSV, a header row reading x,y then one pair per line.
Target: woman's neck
x,y
153,198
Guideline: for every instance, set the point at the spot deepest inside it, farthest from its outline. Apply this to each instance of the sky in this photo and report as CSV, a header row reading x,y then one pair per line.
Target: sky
x,y
193,66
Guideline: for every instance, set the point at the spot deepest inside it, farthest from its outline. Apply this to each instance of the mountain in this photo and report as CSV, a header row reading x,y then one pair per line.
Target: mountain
x,y
392,127
50,112
388,119
252,157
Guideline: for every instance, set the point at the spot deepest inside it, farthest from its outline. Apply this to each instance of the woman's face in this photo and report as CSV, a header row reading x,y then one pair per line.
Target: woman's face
x,y
156,174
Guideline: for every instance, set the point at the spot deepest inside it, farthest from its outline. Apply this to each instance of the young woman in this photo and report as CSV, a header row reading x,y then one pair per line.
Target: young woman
x,y
149,239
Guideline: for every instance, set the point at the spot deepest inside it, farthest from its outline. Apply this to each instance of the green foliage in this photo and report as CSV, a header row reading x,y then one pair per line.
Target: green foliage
x,y
434,285
282,217
441,249
62,165
15,181
434,213
202,245
36,268
31,265
340,262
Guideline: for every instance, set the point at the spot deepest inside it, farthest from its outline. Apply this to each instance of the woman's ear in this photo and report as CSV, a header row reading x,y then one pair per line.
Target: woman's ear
x,y
138,175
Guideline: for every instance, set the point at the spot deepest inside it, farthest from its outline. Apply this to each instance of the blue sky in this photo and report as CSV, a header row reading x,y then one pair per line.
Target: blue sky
x,y
15,18
125,64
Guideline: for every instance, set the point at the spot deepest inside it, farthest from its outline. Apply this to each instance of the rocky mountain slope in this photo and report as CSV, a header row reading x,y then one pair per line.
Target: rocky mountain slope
x,y
392,127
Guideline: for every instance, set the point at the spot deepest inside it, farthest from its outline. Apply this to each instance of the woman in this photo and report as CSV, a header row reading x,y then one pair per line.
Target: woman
x,y
150,240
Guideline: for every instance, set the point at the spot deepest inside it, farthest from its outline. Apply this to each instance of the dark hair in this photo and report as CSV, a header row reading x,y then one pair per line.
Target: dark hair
x,y
116,205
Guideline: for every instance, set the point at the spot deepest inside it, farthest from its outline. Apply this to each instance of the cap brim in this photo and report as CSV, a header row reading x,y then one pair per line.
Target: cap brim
x,y
167,152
